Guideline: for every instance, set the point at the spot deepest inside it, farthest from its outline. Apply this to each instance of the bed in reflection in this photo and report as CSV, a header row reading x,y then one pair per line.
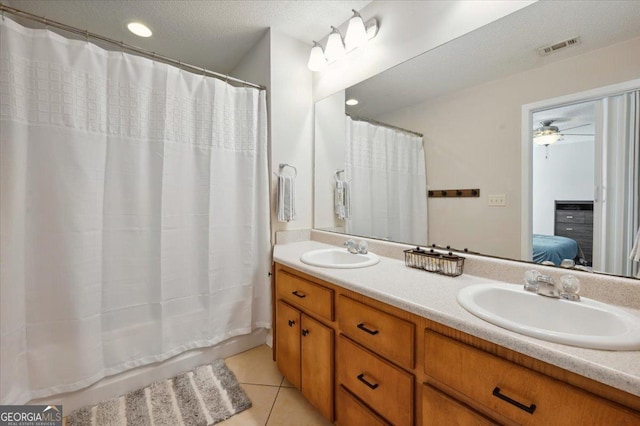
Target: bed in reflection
x,y
553,248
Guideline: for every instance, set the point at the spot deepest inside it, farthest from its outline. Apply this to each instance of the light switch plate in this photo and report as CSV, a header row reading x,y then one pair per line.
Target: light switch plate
x,y
497,200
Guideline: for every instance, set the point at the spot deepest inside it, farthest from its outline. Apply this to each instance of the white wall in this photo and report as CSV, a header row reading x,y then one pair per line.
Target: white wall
x,y
567,173
280,63
472,140
291,107
408,29
256,65
330,151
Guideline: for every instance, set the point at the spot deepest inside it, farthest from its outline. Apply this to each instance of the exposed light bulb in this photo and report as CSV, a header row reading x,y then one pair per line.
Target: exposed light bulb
x,y
317,60
139,29
335,46
352,102
356,35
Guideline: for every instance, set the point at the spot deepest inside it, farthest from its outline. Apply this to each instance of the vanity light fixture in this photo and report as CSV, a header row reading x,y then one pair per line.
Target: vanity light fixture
x,y
335,46
317,60
139,29
358,34
352,102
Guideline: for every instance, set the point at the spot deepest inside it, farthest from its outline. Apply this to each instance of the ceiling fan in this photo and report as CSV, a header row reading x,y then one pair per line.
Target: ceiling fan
x,y
548,134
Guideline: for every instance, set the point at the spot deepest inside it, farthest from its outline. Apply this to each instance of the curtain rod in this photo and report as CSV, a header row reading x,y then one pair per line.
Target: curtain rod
x,y
142,52
380,123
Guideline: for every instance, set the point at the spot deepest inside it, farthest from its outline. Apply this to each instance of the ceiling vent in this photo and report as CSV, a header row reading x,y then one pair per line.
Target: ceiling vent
x,y
547,50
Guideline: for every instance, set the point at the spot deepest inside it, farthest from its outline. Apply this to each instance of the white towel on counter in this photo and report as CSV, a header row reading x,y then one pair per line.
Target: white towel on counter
x,y
342,199
635,251
286,198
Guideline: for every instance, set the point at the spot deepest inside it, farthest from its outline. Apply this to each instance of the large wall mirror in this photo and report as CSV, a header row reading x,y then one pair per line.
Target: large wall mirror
x,y
452,119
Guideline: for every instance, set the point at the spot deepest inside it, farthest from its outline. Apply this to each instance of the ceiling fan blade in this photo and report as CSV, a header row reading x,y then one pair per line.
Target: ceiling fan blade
x,y
575,127
576,134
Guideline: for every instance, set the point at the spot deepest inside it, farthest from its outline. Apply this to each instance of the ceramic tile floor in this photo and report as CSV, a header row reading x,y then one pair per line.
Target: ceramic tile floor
x,y
275,401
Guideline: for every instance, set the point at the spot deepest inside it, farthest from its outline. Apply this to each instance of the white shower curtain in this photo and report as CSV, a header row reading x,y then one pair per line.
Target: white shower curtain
x,y
134,212
386,171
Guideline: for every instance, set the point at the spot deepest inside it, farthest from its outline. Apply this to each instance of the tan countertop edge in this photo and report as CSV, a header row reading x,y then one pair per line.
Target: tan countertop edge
x,y
433,296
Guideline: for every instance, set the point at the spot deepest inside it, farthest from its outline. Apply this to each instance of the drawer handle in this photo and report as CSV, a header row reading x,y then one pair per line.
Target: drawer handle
x,y
291,322
363,328
530,409
363,380
569,217
305,332
300,295
568,229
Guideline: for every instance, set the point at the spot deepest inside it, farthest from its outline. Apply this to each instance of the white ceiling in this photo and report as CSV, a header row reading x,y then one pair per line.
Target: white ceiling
x,y
209,33
504,47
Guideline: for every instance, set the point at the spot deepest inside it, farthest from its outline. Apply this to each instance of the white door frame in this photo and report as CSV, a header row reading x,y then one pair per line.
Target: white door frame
x,y
526,223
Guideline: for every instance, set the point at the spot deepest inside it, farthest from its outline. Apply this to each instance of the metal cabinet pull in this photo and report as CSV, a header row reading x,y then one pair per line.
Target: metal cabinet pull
x,y
305,332
300,295
363,380
569,217
363,328
568,229
291,322
530,409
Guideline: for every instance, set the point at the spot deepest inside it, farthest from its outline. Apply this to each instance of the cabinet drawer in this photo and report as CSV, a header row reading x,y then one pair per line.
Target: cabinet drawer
x,y
582,234
570,216
306,295
387,389
351,412
441,409
383,333
509,389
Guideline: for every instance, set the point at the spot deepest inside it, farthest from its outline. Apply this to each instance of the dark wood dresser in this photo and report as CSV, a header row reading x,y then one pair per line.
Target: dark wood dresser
x,y
574,219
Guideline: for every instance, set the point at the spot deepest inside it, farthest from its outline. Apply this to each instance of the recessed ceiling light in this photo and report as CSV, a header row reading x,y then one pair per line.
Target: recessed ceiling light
x,y
352,102
139,29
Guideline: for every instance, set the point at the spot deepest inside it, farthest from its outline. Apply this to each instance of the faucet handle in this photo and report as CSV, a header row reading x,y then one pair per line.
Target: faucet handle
x,y
570,287
363,247
531,282
351,246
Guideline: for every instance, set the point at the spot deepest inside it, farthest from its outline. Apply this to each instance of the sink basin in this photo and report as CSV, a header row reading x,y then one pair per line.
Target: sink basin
x,y
338,258
587,323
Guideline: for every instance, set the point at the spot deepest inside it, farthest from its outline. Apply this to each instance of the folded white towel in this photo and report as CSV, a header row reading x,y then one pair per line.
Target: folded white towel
x,y
286,198
635,251
342,200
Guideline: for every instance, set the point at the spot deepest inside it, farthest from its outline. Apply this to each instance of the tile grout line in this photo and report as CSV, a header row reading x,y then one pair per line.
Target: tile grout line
x,y
274,401
259,384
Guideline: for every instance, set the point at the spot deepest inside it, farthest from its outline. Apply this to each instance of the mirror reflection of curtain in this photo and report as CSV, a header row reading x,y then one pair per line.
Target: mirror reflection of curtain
x,y
386,170
621,175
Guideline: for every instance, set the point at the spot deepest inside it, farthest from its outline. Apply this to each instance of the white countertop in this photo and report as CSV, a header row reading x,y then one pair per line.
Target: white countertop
x,y
433,296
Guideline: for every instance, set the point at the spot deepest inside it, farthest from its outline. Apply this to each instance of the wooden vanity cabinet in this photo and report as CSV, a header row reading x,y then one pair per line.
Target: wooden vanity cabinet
x,y
304,345
440,409
514,392
396,368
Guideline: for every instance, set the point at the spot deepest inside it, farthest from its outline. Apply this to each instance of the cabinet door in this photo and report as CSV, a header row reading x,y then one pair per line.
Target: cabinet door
x,y
317,365
288,342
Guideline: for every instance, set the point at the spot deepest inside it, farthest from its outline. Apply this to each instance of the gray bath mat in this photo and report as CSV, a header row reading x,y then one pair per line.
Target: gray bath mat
x,y
204,396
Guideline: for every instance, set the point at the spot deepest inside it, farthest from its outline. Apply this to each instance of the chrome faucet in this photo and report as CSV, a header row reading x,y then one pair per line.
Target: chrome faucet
x,y
545,285
360,248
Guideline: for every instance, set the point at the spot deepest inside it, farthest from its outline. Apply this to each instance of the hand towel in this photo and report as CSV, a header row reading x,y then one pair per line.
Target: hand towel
x,y
342,200
286,198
